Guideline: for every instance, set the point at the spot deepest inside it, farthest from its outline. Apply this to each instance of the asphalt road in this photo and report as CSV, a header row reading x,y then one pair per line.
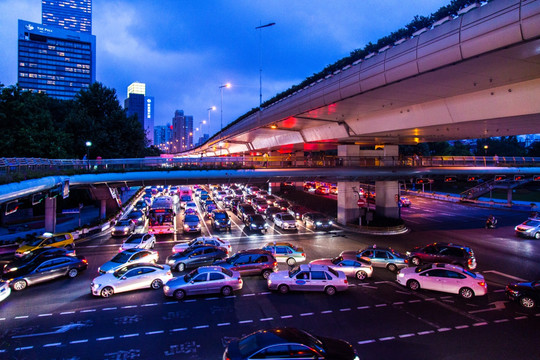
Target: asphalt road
x,y
62,320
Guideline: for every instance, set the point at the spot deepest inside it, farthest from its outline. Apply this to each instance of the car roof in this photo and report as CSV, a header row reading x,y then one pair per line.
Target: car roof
x,y
280,244
312,267
254,251
281,335
204,269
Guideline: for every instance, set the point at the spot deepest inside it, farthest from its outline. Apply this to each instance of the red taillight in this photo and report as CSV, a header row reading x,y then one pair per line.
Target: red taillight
x,y
406,261
482,283
303,254
169,272
85,261
275,263
345,281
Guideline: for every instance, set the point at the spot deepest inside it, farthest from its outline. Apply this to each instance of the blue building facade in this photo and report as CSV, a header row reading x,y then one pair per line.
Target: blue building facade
x,y
149,119
55,61
135,105
74,15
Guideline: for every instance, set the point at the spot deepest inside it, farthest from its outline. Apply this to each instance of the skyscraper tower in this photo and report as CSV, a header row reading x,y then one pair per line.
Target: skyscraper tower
x,y
74,15
182,132
138,103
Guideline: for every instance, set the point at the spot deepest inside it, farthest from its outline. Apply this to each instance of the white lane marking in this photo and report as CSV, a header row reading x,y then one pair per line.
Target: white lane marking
x,y
520,317
345,309
407,335
500,321
286,316
414,301
67,312
403,292
459,327
129,306
398,303
129,335
265,293
201,327
480,323
430,299
505,275
87,311
21,317
2,319
212,298
147,305
178,329
306,314
426,332
169,302
105,338
381,305
499,290
224,324
42,315
362,307
109,308
387,338
443,329
367,286
327,312
230,297
24,348
52,344
245,321
79,341
366,342
267,319
248,295
190,300
155,332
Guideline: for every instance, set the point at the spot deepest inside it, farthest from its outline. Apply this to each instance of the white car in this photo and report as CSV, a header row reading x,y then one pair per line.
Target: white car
x,y
204,240
351,265
131,277
5,290
308,278
190,206
285,221
129,256
139,241
443,277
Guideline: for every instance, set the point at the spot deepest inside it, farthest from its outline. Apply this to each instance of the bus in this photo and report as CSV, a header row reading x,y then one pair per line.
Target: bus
x,y
162,216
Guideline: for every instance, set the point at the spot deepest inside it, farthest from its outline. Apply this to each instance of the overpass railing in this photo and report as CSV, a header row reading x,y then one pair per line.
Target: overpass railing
x,y
29,166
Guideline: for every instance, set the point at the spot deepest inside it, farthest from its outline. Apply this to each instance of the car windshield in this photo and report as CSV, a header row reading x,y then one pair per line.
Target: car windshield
x,y
532,222
35,242
220,215
227,272
191,218
337,260
135,214
123,223
294,271
317,216
134,239
191,275
257,218
470,273
121,258
423,268
191,204
185,197
232,259
287,217
120,272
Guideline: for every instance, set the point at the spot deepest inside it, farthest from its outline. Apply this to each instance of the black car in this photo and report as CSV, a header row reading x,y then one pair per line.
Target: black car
x,y
227,202
244,210
270,211
443,253
283,204
297,211
45,270
288,343
526,293
220,220
316,220
234,206
137,216
256,223
251,262
196,256
37,256
141,205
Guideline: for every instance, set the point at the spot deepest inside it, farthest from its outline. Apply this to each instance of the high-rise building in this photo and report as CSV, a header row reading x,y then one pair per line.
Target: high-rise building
x,y
136,88
74,15
134,105
162,135
143,106
182,132
55,61
149,118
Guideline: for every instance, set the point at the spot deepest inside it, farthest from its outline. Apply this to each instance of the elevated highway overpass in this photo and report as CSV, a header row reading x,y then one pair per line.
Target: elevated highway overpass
x,y
473,76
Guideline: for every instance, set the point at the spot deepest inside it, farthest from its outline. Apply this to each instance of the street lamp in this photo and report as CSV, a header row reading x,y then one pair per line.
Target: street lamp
x,y
227,85
88,144
485,149
260,58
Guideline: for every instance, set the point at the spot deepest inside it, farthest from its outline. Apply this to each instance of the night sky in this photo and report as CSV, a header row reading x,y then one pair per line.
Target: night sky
x,y
184,50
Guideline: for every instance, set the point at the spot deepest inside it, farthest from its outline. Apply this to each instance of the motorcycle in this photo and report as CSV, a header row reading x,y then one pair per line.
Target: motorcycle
x,y
491,223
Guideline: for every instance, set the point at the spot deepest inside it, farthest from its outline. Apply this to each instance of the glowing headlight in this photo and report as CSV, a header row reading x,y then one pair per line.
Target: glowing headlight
x,y
95,286
330,223
265,225
165,288
400,275
13,269
318,223
198,226
253,225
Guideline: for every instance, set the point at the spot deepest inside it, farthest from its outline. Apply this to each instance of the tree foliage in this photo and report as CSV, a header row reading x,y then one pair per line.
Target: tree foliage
x,y
36,125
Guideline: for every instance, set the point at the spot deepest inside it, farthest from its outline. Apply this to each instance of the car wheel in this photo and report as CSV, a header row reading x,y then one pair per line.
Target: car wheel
x,y
330,290
466,293
72,273
283,289
361,275
156,284
527,302
416,261
266,274
392,267
180,267
226,291
537,236
413,285
20,285
291,261
179,294
107,291
70,246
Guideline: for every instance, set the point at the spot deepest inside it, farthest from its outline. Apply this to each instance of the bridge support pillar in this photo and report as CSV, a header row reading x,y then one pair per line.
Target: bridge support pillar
x,y
103,209
348,153
509,196
50,214
347,202
390,155
386,199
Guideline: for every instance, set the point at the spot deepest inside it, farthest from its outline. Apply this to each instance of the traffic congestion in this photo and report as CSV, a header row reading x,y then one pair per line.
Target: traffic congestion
x,y
197,227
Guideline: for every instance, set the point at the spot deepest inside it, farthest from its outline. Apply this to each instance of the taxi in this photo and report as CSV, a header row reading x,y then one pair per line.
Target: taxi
x,y
47,239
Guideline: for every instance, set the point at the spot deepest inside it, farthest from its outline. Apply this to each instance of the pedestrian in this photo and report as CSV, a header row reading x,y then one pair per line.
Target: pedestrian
x,y
496,159
265,160
416,161
289,160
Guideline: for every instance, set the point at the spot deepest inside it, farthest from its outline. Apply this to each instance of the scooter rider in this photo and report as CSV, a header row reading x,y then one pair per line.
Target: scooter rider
x,y
491,222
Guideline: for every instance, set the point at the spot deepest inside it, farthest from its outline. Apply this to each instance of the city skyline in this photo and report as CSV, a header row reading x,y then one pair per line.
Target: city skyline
x,y
186,51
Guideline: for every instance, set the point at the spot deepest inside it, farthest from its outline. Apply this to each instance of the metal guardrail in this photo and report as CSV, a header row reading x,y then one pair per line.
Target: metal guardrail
x,y
24,165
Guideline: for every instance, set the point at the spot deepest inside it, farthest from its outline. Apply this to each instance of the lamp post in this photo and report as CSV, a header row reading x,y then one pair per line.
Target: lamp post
x,y
88,145
485,149
227,85
260,58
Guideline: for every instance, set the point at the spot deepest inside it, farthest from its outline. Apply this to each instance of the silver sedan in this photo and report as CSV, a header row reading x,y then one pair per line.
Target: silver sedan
x,y
285,221
204,280
129,256
308,278
381,257
351,265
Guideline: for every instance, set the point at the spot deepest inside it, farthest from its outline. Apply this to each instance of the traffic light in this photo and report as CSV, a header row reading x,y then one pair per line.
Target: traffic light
x,y
472,178
500,177
448,179
422,181
519,177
